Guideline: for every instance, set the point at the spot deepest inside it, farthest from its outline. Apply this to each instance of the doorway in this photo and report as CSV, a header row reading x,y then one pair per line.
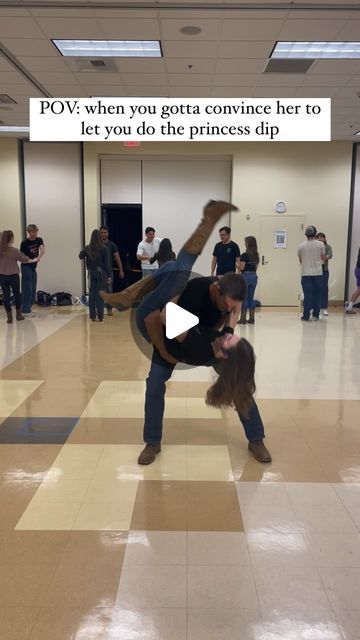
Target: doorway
x,y
124,222
279,271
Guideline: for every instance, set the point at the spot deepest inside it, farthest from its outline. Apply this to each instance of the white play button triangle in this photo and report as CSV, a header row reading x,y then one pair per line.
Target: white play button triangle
x,y
178,320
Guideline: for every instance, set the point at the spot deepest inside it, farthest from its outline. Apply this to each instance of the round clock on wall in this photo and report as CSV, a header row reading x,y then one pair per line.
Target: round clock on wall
x,y
280,207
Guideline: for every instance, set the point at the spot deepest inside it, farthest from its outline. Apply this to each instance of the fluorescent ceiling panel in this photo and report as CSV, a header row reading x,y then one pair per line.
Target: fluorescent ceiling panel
x,y
316,50
109,48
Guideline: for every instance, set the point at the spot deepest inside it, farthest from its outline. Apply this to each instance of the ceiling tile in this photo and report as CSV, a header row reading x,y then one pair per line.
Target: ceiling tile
x,y
316,80
251,29
240,66
315,92
144,65
233,49
274,92
30,47
235,80
210,29
351,31
189,92
57,64
179,49
336,67
311,29
281,80
16,27
155,79
187,80
136,29
68,28
181,65
55,78
97,78
233,92
146,91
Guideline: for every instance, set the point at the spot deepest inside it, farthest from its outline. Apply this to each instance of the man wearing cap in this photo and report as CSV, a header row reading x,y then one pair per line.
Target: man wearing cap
x,y
311,254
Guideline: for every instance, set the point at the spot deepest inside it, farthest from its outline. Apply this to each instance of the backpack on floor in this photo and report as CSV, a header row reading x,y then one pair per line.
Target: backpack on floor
x,y
62,299
43,299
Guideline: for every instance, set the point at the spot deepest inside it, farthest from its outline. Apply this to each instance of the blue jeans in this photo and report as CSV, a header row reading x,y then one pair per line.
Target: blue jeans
x,y
160,372
311,286
109,289
251,279
28,287
171,279
325,290
96,304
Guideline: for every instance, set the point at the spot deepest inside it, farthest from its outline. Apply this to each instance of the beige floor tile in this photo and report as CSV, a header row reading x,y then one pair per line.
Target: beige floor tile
x,y
148,623
34,547
16,622
25,585
214,624
118,491
292,588
14,392
41,515
105,516
342,586
77,622
104,547
95,584
156,548
142,587
237,587
213,506
208,463
160,506
302,625
217,548
278,550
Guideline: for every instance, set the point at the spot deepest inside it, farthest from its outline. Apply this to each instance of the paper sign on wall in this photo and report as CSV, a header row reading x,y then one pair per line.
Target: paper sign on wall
x,y
280,240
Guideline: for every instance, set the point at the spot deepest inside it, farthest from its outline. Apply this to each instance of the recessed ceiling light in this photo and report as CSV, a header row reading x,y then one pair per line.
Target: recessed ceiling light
x,y
190,31
109,48
316,50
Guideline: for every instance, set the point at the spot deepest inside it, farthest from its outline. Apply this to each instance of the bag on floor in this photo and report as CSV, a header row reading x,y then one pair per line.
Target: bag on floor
x,y
62,299
43,299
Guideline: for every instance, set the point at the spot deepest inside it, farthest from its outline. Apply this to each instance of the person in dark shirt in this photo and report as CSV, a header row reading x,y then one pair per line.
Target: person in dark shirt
x,y
216,303
165,253
98,265
114,259
226,254
32,247
249,263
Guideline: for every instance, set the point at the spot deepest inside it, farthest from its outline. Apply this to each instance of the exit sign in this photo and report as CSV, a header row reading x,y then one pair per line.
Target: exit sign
x,y
132,144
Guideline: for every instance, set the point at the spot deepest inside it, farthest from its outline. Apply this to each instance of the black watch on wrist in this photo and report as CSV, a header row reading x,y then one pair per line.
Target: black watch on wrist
x,y
229,330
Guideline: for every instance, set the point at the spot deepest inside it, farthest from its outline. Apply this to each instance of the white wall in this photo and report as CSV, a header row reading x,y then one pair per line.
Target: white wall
x,y
355,232
53,203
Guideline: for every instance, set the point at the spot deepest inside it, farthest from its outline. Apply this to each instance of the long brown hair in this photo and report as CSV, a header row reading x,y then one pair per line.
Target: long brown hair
x,y
251,248
235,385
5,239
95,245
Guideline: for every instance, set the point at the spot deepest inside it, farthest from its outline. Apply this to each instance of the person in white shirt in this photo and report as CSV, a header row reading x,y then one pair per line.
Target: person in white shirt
x,y
146,250
311,254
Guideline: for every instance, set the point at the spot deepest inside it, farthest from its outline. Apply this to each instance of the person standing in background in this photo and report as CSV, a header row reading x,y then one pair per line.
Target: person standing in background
x,y
98,265
311,254
226,254
325,269
114,257
9,273
32,247
356,294
249,263
146,250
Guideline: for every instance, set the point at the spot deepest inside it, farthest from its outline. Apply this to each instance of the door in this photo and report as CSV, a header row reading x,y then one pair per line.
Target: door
x,y
124,222
279,269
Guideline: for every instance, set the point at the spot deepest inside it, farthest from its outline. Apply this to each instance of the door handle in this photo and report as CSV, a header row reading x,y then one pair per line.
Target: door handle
x,y
263,261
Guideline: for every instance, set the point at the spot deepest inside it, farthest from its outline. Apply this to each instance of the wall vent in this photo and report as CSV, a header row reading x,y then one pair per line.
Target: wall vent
x,y
94,65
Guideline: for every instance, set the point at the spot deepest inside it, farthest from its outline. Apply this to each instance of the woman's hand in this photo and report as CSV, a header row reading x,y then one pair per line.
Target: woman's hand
x,y
166,356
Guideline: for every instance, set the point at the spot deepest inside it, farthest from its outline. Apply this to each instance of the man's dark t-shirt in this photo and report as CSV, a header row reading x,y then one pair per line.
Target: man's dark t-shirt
x,y
196,299
226,255
31,250
112,249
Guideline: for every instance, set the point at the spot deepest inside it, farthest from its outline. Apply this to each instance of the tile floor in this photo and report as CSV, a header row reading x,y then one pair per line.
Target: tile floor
x,y
206,543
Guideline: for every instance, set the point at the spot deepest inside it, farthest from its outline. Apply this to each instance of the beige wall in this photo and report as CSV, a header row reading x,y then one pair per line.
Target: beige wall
x,y
10,208
312,178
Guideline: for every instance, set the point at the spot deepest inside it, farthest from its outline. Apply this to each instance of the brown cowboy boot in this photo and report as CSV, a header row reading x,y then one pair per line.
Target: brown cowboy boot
x,y
148,454
213,211
9,317
19,315
259,451
123,300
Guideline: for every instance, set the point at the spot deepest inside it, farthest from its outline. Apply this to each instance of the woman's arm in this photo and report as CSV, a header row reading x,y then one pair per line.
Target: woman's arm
x,y
155,331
